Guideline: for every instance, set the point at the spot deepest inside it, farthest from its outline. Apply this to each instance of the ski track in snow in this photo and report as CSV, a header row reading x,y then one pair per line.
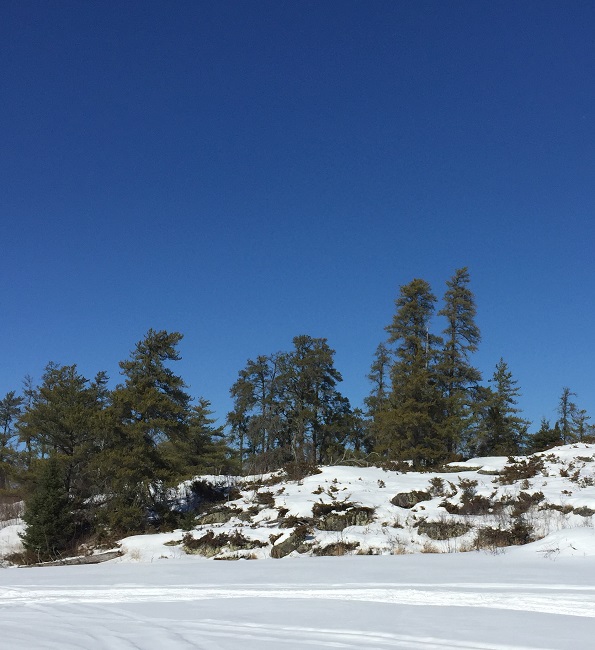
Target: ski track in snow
x,y
122,630
564,600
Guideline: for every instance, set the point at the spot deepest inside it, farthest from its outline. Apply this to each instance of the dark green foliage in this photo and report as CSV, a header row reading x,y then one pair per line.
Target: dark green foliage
x,y
457,377
546,438
501,431
408,427
50,521
566,409
10,409
200,447
521,469
151,412
287,408
64,417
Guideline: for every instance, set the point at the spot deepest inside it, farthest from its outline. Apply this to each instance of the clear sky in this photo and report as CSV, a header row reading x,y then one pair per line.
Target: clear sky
x,y
244,172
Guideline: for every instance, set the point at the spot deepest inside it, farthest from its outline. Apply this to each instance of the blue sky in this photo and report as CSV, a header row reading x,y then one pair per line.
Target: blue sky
x,y
244,172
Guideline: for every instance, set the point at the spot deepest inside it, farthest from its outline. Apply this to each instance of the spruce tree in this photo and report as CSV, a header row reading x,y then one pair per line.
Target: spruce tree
x,y
408,429
566,409
378,400
580,423
10,409
546,438
503,432
63,418
51,528
201,448
458,378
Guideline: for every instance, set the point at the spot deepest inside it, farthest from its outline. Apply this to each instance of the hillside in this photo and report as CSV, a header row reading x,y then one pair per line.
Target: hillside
x,y
481,504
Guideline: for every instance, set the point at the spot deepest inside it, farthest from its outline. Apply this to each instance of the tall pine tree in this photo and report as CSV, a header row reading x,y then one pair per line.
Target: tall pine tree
x,y
458,378
408,428
150,408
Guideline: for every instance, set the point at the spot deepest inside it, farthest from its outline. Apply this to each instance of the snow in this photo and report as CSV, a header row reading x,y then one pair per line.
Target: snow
x,y
473,600
155,596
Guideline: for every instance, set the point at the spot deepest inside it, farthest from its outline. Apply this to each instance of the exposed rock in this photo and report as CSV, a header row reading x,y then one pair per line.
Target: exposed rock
x,y
443,529
297,541
220,516
410,499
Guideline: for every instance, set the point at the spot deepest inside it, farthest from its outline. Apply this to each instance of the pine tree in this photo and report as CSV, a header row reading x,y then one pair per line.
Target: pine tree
x,y
545,438
408,429
310,399
10,409
256,418
62,418
378,401
380,377
580,424
287,407
458,378
149,409
566,410
503,432
201,449
51,528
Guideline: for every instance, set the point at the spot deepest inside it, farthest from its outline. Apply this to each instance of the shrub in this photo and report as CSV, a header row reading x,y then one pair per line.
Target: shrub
x,y
518,534
525,501
517,470
339,515
438,488
265,498
471,502
298,471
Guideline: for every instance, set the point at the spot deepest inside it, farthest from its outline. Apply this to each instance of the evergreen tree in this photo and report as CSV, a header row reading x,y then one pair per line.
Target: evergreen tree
x,y
287,407
201,449
25,437
458,378
150,408
48,514
408,429
566,409
256,420
503,431
580,424
546,438
379,399
10,409
62,418
380,377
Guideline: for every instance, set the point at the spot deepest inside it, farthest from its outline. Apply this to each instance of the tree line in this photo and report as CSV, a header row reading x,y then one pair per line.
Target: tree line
x,y
98,462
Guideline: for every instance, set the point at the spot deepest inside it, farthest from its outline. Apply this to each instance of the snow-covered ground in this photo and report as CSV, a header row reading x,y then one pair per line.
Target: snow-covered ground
x,y
518,599
402,581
